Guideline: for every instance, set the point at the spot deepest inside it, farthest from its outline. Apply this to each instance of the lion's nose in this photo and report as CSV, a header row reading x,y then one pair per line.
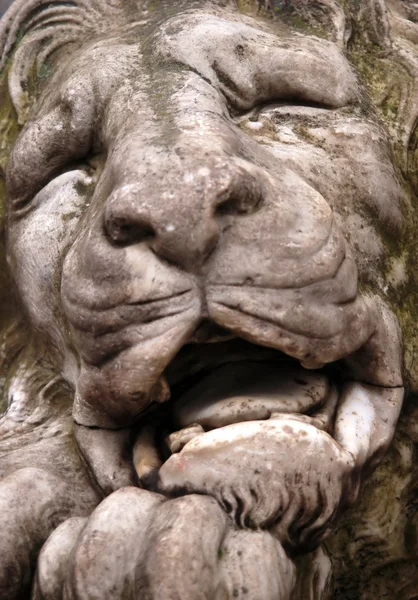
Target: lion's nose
x,y
182,222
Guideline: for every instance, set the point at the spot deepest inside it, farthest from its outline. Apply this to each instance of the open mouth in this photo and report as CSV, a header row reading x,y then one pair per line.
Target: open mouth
x,y
279,446
217,384
217,380
240,419
184,385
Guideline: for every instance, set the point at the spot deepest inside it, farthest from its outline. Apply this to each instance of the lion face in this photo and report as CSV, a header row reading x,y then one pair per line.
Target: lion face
x,y
213,182
201,209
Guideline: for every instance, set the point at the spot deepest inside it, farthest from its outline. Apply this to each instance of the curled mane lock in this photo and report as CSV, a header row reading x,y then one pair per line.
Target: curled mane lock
x,y
32,31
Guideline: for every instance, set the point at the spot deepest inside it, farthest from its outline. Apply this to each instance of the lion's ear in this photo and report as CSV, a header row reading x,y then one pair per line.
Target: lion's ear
x,y
32,30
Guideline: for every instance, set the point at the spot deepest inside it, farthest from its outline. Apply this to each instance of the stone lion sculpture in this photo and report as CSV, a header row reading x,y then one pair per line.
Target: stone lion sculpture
x,y
209,226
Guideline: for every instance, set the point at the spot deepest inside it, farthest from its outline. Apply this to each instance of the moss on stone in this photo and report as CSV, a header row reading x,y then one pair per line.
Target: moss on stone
x,y
246,6
9,127
371,531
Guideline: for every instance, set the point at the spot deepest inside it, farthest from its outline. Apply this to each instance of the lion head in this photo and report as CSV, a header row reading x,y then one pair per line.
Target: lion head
x,y
210,233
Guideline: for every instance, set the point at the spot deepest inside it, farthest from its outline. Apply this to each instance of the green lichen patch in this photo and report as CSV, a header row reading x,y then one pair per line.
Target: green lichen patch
x,y
386,81
247,6
45,70
303,17
9,127
374,529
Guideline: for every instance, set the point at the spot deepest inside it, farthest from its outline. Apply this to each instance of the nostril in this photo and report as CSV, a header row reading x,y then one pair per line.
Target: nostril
x,y
244,203
243,194
123,232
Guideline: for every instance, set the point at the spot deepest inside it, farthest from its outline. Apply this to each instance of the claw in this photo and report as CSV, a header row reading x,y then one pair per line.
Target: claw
x,y
178,439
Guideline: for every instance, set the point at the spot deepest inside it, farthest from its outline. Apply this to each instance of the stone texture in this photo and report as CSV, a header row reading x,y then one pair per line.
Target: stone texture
x,y
209,221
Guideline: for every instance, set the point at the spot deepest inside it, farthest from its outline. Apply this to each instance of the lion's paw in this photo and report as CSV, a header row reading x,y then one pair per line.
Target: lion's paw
x,y
283,475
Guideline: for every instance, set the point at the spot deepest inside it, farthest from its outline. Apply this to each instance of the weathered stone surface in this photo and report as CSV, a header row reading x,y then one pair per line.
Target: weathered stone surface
x,y
208,314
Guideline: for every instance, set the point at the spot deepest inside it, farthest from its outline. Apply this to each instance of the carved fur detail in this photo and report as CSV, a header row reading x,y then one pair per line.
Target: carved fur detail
x,y
33,31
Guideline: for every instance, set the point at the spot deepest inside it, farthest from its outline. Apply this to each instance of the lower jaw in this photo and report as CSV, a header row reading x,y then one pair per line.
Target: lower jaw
x,y
247,383
217,385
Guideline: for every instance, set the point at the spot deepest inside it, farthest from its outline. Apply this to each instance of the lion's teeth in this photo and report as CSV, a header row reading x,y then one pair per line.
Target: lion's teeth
x,y
161,391
146,458
311,364
366,420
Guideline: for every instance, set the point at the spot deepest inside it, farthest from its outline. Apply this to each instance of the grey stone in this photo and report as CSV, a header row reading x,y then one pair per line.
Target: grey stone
x,y
210,230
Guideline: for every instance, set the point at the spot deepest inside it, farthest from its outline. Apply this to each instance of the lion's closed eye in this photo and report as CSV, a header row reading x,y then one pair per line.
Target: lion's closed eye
x,y
81,174
252,68
56,142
